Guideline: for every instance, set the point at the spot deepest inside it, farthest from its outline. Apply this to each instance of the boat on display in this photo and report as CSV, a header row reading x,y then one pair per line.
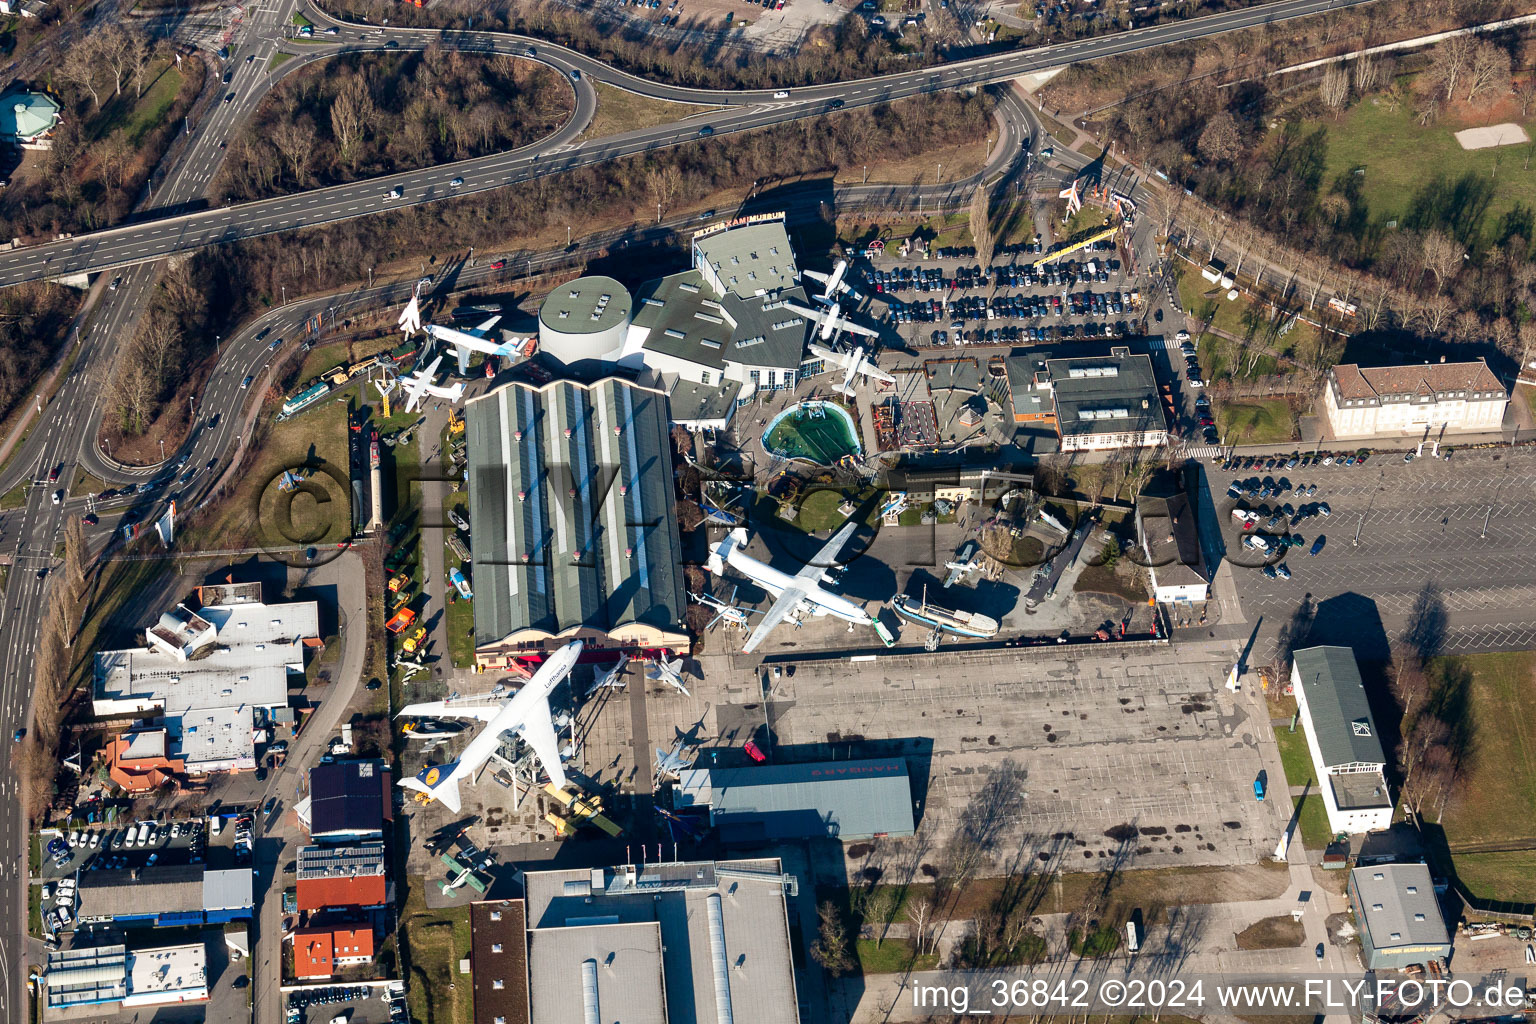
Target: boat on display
x,y
921,611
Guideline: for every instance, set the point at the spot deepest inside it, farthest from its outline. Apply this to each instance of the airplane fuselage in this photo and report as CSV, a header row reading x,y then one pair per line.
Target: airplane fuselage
x,y
776,582
529,700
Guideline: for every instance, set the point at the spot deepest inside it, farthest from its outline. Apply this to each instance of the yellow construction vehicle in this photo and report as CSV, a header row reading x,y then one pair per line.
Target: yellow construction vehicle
x,y
455,423
415,640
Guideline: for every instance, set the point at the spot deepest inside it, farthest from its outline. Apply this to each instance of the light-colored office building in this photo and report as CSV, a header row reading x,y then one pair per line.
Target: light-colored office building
x,y
1408,401
1342,738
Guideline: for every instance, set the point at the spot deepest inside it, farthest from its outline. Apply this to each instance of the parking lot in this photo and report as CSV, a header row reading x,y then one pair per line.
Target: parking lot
x,y
953,301
1450,536
1142,737
108,848
356,1004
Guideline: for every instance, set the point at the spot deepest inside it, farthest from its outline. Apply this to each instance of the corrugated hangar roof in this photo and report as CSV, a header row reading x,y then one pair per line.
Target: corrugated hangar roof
x,y
570,491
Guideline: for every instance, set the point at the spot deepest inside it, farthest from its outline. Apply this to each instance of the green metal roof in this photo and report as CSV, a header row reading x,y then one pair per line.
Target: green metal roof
x,y
27,115
1341,713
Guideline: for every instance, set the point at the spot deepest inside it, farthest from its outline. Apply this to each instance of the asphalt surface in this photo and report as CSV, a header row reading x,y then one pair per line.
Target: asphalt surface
x,y
740,111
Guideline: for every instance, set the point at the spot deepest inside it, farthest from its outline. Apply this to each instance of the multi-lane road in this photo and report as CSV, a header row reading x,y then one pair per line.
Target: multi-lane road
x,y
151,239
66,428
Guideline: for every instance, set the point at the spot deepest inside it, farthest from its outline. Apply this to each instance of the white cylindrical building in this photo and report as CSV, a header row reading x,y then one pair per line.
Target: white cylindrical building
x,y
585,319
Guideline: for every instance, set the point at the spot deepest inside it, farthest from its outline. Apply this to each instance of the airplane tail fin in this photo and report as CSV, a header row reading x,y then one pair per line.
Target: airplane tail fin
x,y
845,388
722,553
438,783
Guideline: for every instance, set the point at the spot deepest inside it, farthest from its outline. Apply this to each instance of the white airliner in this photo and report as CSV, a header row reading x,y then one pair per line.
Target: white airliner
x,y
832,283
526,711
790,592
831,321
474,340
419,384
857,364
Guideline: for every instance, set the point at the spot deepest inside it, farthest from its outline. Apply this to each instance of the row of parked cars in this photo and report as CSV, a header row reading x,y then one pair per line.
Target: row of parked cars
x,y
1009,335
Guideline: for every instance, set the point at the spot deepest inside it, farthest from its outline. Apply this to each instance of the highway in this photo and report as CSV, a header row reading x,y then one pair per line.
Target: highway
x,y
153,239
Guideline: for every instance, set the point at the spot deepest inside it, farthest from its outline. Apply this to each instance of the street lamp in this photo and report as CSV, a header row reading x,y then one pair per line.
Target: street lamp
x,y
162,449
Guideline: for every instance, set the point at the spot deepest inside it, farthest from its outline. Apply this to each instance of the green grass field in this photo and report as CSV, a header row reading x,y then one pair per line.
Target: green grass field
x,y
257,511
1499,876
892,957
1314,820
138,117
16,496
436,940
1399,157
1294,755
460,614
1498,800
1255,421
278,60
620,111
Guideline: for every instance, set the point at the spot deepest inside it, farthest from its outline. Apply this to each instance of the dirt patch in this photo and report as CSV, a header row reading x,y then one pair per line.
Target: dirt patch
x,y
1280,932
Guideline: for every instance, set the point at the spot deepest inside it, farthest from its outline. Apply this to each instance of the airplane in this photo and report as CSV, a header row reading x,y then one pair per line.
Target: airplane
x,y
726,611
832,284
410,317
831,320
526,712
672,763
857,364
1073,195
419,384
669,672
474,340
963,567
614,677
790,592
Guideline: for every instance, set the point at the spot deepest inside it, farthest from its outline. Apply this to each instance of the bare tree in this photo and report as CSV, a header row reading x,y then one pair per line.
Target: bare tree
x,y
295,140
879,910
118,52
981,224
1442,256
1488,71
831,948
351,111
919,910
1450,62
81,66
1334,88
1222,139
1368,72
1525,94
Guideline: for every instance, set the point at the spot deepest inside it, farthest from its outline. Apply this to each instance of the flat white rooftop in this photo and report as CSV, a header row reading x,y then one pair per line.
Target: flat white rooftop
x,y
167,974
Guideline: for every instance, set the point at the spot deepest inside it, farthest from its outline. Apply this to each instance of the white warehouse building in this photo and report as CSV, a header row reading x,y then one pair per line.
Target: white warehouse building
x,y
1346,750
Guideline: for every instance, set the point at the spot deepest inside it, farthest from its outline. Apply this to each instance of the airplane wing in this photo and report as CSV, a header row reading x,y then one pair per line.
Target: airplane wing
x,y
440,709
840,358
824,558
815,314
873,372
480,330
815,275
787,600
453,394
415,389
849,325
538,730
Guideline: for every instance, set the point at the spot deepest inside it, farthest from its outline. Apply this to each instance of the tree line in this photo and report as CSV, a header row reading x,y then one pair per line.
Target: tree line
x,y
828,54
1446,269
34,319
215,289
95,171
362,115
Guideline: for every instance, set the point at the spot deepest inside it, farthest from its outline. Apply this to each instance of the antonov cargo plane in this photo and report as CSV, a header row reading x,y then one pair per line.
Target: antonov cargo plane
x,y
526,712
419,384
792,592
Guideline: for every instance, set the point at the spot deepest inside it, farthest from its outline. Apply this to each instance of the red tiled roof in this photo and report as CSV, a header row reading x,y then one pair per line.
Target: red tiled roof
x,y
357,891
312,953
1356,381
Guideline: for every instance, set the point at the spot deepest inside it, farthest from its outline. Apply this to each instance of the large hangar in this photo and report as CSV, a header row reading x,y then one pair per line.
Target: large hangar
x,y
586,319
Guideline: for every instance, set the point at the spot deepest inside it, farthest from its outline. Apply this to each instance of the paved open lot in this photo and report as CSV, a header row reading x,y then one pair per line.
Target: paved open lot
x,y
1147,738
1421,533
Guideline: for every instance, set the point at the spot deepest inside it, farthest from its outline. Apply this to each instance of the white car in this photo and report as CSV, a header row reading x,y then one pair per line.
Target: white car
x,y
95,840
74,838
1256,541
47,893
65,900
456,183
1182,336
782,94
394,193
142,838
65,887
